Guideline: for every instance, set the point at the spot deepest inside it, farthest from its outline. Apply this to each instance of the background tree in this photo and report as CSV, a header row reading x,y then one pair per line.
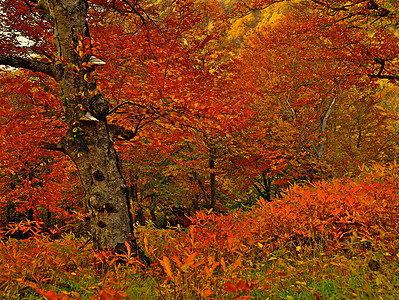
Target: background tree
x,y
306,75
33,180
182,91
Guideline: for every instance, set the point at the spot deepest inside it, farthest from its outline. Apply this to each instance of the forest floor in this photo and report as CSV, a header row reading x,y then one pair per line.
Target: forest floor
x,y
43,269
328,240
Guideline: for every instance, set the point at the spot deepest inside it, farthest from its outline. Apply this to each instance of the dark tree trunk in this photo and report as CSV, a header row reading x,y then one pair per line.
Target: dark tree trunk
x,y
212,179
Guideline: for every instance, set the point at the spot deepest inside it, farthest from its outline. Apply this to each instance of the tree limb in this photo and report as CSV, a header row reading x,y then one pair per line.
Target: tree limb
x,y
390,77
35,66
123,104
201,186
118,130
52,146
379,75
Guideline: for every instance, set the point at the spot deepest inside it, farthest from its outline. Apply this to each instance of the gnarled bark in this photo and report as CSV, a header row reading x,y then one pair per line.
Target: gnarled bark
x,y
88,143
106,199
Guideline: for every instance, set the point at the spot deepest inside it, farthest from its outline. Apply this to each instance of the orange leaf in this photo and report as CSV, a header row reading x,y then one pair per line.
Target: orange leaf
x,y
146,244
230,240
190,259
129,250
268,272
236,264
105,296
177,261
242,285
223,263
167,266
51,295
206,293
207,271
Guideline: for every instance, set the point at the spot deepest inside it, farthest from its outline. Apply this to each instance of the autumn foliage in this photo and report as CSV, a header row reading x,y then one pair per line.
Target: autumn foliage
x,y
34,181
254,142
217,254
214,256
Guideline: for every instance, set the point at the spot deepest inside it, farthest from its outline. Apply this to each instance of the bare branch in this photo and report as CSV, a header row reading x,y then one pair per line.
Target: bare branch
x,y
382,63
133,8
35,66
390,77
123,104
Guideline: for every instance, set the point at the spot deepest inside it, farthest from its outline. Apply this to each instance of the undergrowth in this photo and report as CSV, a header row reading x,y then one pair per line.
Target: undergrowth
x,y
331,240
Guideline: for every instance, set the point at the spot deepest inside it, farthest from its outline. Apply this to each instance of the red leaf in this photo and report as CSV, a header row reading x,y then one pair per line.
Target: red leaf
x,y
230,287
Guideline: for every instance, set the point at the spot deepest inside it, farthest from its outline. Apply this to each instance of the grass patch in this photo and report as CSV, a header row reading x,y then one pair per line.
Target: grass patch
x,y
331,277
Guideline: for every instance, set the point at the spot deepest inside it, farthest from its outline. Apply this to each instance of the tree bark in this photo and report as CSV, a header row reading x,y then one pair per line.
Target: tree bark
x,y
212,204
106,200
88,142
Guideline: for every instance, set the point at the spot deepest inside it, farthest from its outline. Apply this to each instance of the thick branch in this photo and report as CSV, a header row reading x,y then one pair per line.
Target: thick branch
x,y
379,75
35,66
390,77
117,130
53,146
381,62
201,186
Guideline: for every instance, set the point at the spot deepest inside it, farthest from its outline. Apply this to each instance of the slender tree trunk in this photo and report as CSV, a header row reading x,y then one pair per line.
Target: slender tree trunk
x,y
323,126
212,178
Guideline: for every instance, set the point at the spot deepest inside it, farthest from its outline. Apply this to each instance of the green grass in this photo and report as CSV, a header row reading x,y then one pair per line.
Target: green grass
x,y
332,277
320,278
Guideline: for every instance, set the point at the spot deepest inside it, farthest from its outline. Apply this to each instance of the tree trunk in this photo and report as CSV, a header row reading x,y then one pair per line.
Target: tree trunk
x,y
212,178
88,141
106,194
